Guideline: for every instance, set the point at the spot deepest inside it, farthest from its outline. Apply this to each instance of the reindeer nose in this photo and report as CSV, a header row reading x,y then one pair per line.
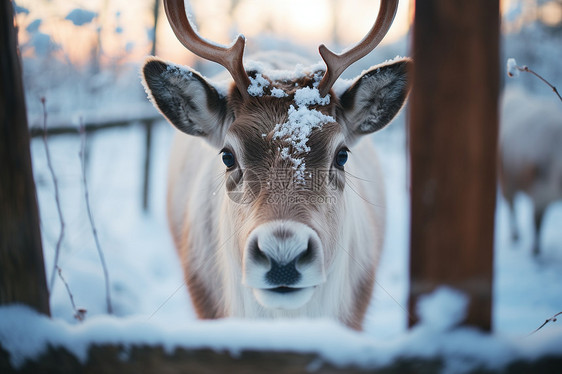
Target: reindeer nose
x,y
282,255
285,275
283,272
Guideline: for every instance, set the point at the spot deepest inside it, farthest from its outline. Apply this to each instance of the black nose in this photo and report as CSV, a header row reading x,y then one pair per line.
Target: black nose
x,y
283,275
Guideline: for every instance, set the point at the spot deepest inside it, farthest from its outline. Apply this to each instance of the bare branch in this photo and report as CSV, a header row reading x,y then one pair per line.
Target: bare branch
x,y
526,69
57,196
91,217
79,313
551,319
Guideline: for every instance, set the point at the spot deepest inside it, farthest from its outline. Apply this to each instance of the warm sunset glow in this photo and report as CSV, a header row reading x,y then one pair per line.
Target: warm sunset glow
x,y
551,14
356,17
299,19
124,26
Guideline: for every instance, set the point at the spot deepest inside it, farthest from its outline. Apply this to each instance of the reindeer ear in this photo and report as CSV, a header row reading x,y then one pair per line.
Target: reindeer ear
x,y
187,100
375,98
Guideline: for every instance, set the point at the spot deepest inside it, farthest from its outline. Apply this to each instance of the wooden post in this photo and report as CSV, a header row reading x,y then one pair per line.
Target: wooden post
x,y
22,271
453,144
148,125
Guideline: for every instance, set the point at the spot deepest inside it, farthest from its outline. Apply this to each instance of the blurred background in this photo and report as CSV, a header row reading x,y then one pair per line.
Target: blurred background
x,y
94,48
84,58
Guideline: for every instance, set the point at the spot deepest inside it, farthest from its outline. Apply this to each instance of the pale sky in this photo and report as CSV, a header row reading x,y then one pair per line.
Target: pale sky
x,y
305,22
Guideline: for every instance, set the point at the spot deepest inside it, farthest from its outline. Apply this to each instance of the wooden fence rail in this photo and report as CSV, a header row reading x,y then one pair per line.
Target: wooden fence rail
x,y
57,125
145,116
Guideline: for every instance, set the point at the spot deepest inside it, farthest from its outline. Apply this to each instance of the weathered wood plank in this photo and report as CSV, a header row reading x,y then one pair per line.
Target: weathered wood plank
x,y
117,359
60,126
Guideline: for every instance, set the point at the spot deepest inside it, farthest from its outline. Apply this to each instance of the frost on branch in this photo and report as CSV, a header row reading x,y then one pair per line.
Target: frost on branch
x,y
512,68
513,71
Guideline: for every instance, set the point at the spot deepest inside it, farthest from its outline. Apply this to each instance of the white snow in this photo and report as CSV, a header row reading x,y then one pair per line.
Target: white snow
x,y
277,92
298,127
444,309
277,74
257,85
80,17
26,334
512,68
310,96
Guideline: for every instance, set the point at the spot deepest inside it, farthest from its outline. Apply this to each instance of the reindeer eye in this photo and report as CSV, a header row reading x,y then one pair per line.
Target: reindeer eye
x,y
341,157
228,158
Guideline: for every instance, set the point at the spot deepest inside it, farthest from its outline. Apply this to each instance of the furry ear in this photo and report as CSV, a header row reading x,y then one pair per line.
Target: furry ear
x,y
375,98
187,100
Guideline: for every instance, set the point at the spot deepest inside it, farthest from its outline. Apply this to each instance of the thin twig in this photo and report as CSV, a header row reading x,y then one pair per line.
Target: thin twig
x,y
551,319
526,69
57,196
79,313
91,217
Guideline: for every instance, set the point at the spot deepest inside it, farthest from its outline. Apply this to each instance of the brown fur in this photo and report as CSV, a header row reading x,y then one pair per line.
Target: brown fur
x,y
205,304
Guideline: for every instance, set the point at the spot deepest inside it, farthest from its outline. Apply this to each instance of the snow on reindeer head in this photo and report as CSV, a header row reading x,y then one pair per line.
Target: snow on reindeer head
x,y
284,140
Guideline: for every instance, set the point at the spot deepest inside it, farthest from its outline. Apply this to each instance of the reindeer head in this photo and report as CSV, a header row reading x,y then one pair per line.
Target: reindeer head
x,y
284,142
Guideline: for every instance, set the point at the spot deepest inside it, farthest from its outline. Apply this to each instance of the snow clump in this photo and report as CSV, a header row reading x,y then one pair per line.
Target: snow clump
x,y
296,131
277,92
257,85
442,310
512,68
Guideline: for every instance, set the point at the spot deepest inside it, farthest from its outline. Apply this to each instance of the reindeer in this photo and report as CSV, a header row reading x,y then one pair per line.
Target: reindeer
x,y
530,161
269,217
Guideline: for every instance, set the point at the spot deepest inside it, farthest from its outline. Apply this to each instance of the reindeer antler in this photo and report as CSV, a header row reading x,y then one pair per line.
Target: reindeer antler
x,y
337,63
229,57
232,57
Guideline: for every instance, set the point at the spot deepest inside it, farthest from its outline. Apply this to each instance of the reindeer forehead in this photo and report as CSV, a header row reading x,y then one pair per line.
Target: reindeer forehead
x,y
263,133
294,129
273,101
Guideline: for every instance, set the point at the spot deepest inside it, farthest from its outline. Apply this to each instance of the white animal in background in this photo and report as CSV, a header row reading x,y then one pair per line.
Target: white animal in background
x,y
269,216
531,156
